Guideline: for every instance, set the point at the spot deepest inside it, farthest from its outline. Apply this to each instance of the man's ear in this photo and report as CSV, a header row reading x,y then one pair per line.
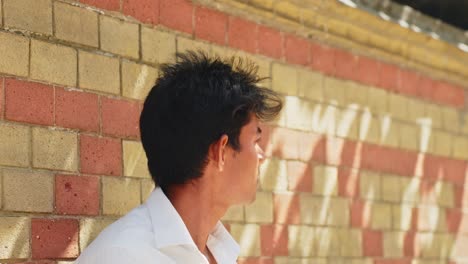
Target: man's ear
x,y
218,151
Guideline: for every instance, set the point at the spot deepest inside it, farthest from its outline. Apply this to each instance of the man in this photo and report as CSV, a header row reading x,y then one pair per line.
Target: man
x,y
200,128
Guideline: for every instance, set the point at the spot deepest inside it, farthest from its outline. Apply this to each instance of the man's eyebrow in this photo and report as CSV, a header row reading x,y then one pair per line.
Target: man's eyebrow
x,y
259,130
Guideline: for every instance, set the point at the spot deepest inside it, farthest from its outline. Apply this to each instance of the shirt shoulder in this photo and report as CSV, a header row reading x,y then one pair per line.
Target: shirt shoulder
x,y
120,255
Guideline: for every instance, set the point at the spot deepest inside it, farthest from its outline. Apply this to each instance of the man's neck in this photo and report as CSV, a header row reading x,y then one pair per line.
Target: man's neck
x,y
199,210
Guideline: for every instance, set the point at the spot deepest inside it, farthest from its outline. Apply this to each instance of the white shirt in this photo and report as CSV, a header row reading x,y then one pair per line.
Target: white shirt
x,y
155,233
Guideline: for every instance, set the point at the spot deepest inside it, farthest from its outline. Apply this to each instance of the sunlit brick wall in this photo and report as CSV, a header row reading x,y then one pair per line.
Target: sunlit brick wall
x,y
366,164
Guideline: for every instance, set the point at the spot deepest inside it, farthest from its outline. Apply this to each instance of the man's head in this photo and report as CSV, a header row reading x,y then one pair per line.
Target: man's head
x,y
202,104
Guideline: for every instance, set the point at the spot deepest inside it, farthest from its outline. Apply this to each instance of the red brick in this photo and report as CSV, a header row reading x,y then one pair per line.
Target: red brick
x,y
54,238
425,87
448,94
76,110
409,244
210,25
270,42
455,171
37,262
176,14
389,76
274,240
409,82
367,71
255,260
372,243
100,155
371,157
322,58
120,118
242,34
77,195
360,212
112,5
346,64
348,182
147,11
296,50
299,176
286,208
29,102
453,220
2,105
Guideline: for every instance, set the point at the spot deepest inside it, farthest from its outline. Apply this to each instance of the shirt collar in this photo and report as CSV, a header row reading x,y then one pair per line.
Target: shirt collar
x,y
170,230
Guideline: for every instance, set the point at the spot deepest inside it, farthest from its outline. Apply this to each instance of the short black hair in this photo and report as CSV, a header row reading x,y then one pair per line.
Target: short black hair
x,y
193,103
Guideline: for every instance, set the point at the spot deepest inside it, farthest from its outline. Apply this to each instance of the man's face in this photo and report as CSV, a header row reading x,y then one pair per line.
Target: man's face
x,y
242,167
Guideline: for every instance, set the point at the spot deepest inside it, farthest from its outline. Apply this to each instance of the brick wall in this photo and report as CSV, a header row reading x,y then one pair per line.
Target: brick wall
x,y
367,163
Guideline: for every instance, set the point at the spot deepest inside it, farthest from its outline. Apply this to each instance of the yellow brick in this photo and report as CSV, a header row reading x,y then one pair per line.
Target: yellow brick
x,y
15,233
98,72
370,185
14,145
53,63
391,188
460,147
445,194
334,90
137,79
273,175
261,210
339,212
416,110
409,137
134,159
327,242
287,10
284,79
442,143
348,123
402,217
389,132
398,106
431,218
410,189
157,46
27,191
378,100
310,85
35,16
464,129
186,44
14,50
248,237
434,112
314,210
90,229
1,13
119,37
434,245
357,94
234,213
324,119
301,241
393,244
76,24
264,70
325,180
119,195
450,119
351,242
147,187
265,4
53,149
369,128
298,113
381,216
